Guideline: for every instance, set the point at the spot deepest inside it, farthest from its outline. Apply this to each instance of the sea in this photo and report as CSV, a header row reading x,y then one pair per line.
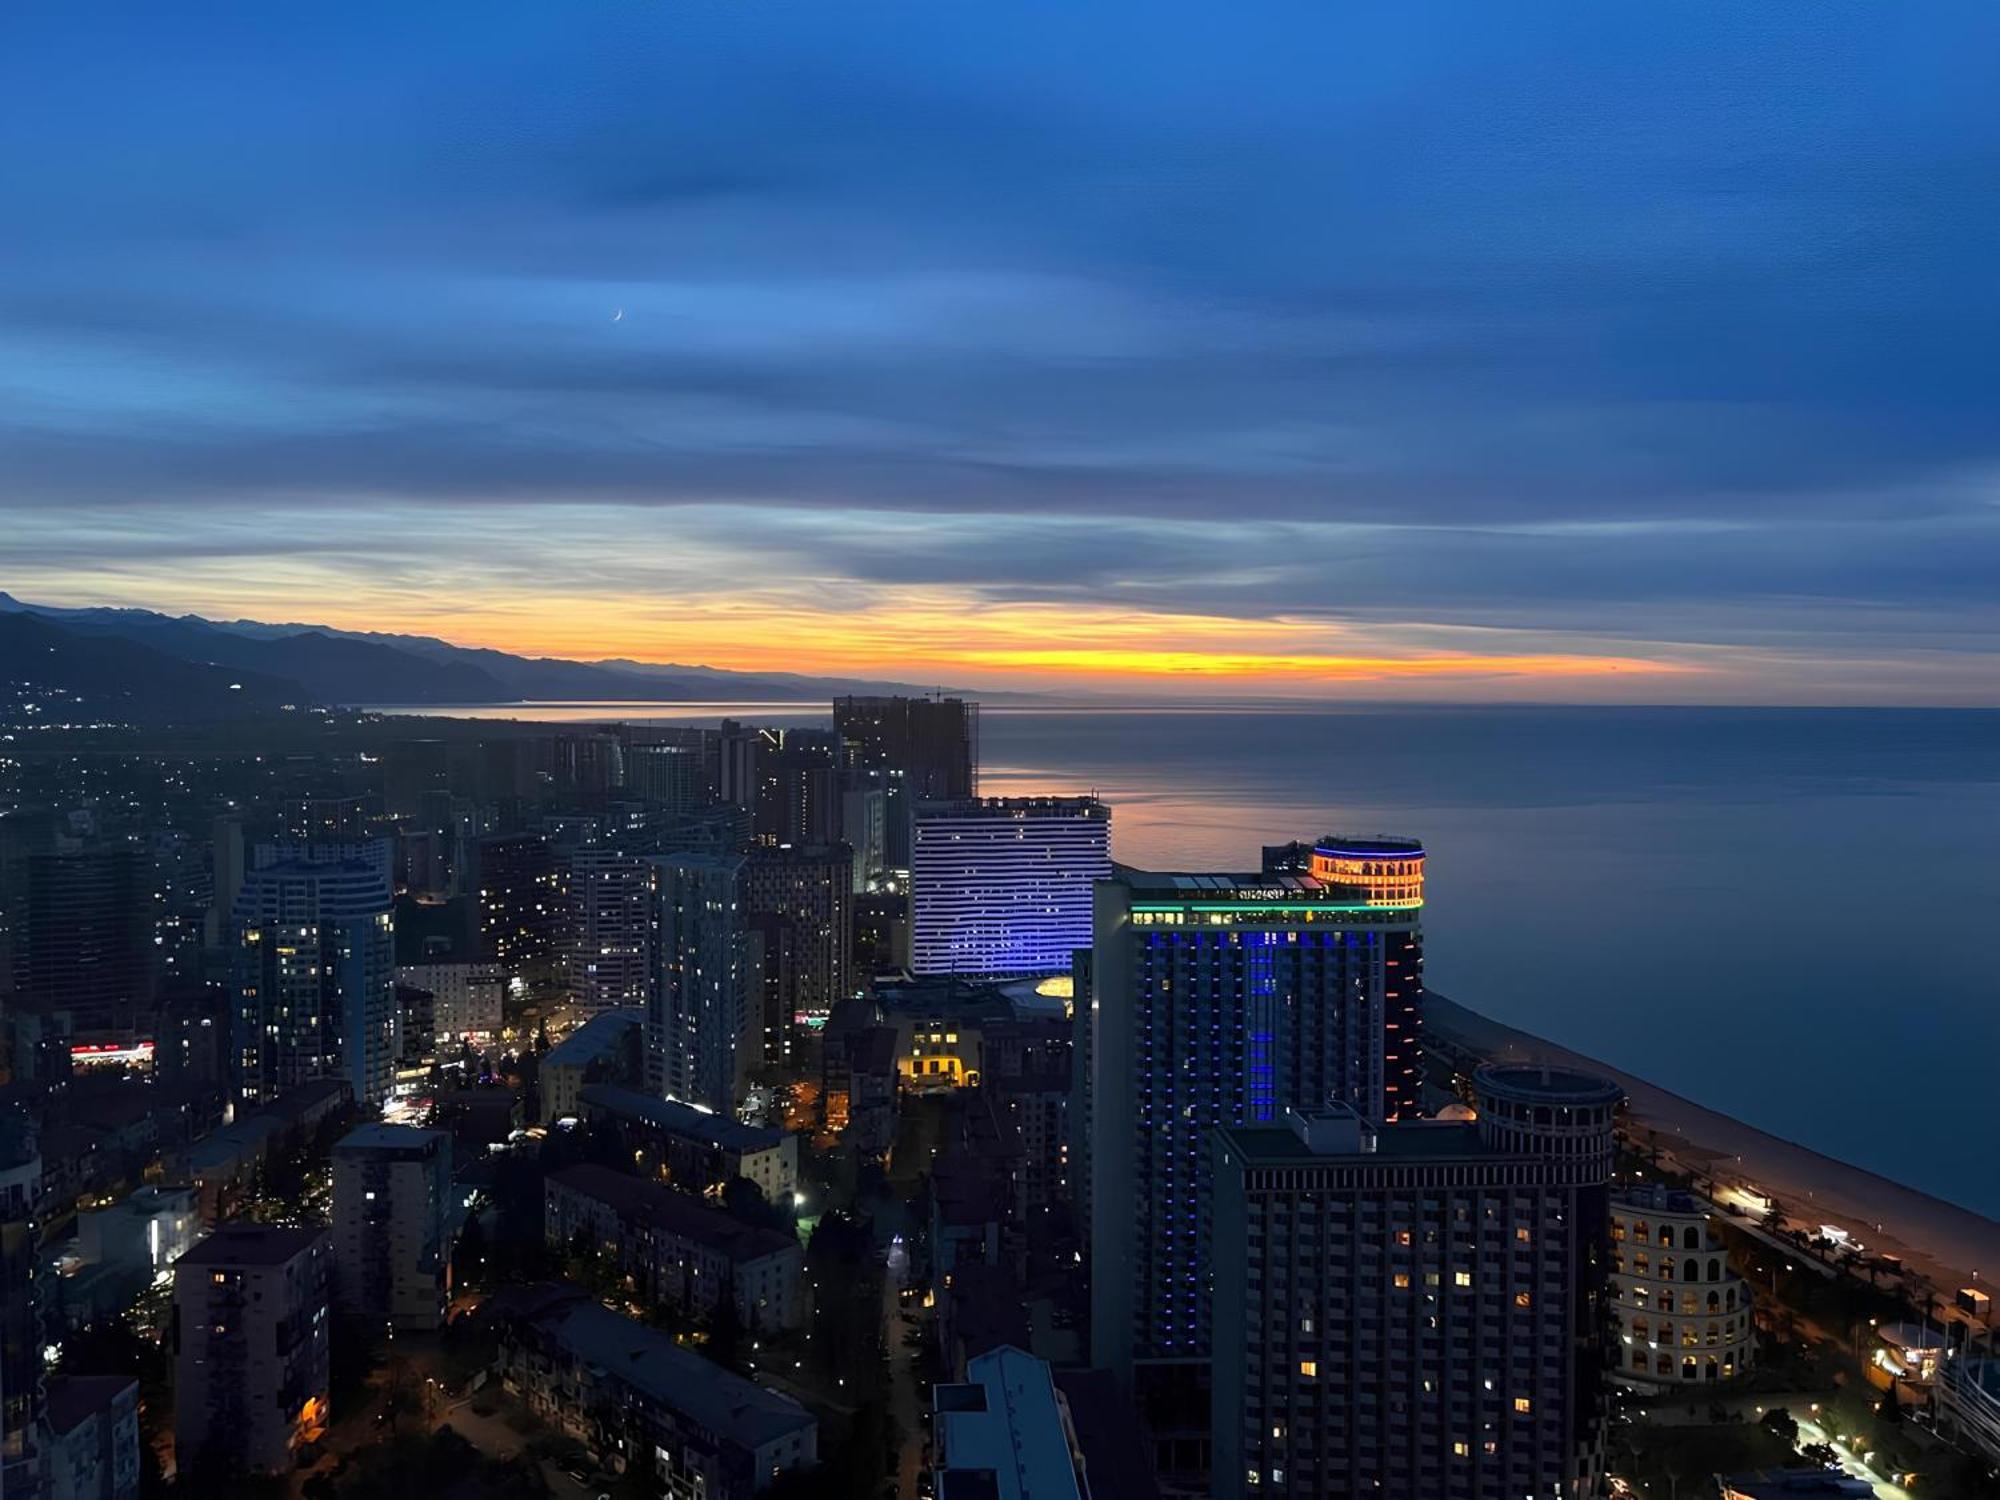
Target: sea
x,y
1789,915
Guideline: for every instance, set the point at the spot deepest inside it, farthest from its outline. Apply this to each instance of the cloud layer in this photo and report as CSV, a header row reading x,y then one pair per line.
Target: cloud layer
x,y
794,334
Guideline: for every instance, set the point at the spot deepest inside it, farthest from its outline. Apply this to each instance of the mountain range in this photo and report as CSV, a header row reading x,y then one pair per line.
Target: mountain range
x,y
146,658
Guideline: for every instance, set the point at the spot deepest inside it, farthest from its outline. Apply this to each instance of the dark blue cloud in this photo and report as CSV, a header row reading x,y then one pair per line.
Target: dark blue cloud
x,y
1485,273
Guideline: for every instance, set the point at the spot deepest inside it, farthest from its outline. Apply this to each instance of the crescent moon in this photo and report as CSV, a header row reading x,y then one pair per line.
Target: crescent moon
x,y
619,316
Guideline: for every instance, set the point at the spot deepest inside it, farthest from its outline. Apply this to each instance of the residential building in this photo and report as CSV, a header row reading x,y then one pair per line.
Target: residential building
x,y
641,1403
250,1342
314,992
700,1041
1222,1000
393,1225
697,1149
87,946
466,998
1001,886
1004,1433
611,926
519,885
912,750
1684,1315
668,776
1418,1308
93,1447
676,1250
22,1292
798,902
608,1048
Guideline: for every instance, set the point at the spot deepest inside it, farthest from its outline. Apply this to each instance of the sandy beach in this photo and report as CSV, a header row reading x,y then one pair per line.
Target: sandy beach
x,y
1947,1245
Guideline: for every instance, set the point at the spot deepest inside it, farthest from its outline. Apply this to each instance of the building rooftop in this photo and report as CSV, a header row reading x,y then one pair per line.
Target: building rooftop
x,y
76,1399
1408,1140
651,1363
1013,807
1016,1434
601,1036
377,1136
238,1244
681,1119
1541,1084
674,1212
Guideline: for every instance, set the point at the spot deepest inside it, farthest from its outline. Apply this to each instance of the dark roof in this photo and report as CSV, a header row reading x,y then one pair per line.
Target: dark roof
x,y
681,1119
674,1212
651,1363
251,1245
377,1136
1421,1140
76,1399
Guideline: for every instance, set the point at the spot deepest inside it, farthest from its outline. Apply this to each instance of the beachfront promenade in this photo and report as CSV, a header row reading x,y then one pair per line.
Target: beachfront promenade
x,y
1948,1246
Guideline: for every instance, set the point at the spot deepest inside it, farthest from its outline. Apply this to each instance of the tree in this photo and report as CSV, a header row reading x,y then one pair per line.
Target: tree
x,y
1782,1423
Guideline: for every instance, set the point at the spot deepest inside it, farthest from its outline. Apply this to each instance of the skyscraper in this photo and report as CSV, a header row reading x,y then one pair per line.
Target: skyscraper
x,y
913,750
1219,1000
315,970
88,938
610,926
698,1013
1002,885
799,903
1417,1309
934,742
520,887
668,776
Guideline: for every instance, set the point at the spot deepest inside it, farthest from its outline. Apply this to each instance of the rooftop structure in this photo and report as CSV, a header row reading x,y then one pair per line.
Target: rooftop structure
x,y
1005,1432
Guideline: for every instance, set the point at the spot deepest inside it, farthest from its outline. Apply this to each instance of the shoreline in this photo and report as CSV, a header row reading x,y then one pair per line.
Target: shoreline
x,y
1945,1244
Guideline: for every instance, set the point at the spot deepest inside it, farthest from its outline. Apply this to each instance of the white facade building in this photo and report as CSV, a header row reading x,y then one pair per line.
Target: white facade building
x,y
1001,885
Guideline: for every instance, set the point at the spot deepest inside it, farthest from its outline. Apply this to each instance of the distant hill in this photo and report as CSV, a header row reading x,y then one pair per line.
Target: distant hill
x,y
76,676
357,667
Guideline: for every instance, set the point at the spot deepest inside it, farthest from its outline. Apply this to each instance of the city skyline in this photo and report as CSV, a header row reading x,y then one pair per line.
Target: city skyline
x,y
1586,358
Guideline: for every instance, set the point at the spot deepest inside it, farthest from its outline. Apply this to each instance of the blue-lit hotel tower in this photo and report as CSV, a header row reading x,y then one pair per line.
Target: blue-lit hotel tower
x,y
1224,1000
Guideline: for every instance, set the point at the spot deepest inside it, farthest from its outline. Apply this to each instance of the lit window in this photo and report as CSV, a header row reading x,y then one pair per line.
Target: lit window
x,y
1403,1279
1523,1405
1460,1449
1461,1278
1309,1368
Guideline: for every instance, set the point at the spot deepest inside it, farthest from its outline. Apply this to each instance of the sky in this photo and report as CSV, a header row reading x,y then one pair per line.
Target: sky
x,y
1591,352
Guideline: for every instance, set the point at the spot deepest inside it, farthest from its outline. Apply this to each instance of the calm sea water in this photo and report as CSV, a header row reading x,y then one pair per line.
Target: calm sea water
x,y
1790,915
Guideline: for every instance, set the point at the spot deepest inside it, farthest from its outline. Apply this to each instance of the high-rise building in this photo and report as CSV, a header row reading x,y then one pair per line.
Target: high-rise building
x,y
1417,1309
799,903
520,907
934,742
21,1298
799,797
87,946
250,1341
314,993
913,750
1218,1000
864,826
669,776
610,921
1001,886
699,1041
392,1225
